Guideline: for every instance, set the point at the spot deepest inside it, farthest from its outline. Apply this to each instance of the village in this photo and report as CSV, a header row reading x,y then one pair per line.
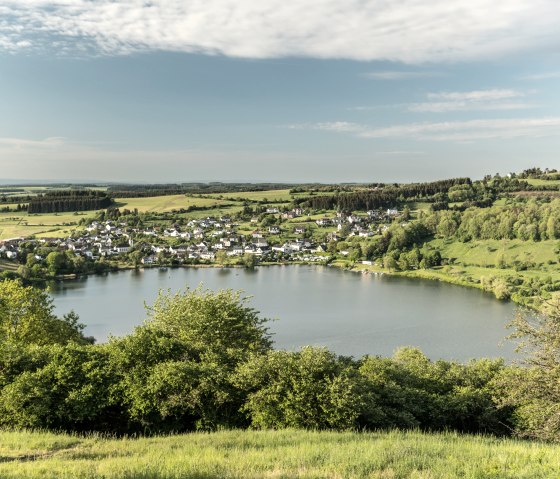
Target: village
x,y
294,235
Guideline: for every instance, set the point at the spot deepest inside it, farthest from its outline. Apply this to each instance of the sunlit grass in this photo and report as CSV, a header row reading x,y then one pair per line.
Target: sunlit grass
x,y
163,204
282,454
270,195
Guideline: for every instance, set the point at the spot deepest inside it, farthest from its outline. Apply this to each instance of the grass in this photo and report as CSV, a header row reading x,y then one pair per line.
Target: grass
x,y
539,182
22,224
162,204
276,454
486,252
270,195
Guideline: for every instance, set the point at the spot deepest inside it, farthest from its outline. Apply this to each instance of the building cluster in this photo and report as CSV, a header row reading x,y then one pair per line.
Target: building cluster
x,y
204,239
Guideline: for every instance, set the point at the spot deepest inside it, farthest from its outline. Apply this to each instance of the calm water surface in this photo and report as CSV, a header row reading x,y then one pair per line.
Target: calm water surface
x,y
351,314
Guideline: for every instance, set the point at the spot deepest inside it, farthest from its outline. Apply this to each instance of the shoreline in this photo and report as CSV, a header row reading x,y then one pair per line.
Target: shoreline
x,y
431,274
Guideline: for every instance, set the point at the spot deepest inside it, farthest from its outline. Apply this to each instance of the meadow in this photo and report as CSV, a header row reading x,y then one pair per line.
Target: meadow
x,y
267,195
22,224
276,454
540,182
163,204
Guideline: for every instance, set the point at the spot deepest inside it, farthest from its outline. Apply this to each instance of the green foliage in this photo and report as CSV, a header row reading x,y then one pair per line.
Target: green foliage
x,y
310,389
26,317
71,391
211,322
533,390
412,391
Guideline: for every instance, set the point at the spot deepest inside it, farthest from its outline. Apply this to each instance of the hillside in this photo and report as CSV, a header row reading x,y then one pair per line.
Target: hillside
x,y
275,454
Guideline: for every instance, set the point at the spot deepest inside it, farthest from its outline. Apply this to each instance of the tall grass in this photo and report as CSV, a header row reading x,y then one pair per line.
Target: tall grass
x,y
275,454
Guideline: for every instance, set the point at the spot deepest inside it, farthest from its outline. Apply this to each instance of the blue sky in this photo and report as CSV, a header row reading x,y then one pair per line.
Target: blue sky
x,y
247,90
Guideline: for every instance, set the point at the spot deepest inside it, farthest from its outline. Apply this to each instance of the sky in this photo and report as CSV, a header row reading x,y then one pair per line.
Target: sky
x,y
269,90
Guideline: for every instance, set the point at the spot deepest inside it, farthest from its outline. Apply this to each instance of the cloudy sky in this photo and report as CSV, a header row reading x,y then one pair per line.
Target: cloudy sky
x,y
270,90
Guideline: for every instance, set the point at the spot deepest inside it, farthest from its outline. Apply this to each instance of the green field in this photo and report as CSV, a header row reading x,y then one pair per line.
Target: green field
x,y
539,182
15,225
276,454
270,195
162,204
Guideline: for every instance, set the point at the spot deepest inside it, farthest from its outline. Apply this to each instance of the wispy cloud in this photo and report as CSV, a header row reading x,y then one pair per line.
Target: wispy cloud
x,y
542,76
496,99
401,75
336,126
408,31
22,143
459,131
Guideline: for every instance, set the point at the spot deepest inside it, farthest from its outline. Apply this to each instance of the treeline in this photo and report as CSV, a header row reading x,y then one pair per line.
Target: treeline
x,y
538,173
16,199
384,197
204,361
69,200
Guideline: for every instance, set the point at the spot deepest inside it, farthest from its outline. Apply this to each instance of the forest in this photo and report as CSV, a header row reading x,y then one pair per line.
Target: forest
x,y
69,200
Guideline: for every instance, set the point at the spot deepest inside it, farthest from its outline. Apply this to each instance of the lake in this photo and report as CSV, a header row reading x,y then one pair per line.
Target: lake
x,y
350,313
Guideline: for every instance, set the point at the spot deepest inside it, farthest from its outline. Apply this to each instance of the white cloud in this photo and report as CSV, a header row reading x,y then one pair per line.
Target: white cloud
x,y
410,31
336,126
459,131
542,76
401,75
496,99
21,143
476,95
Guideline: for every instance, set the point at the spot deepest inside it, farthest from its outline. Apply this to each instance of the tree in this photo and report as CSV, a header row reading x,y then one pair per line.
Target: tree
x,y
178,367
534,389
26,316
56,261
211,321
222,257
249,260
72,390
307,389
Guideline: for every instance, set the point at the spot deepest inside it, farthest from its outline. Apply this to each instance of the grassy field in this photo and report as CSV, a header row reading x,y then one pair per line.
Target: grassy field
x,y
276,454
163,204
270,195
20,224
539,182
485,253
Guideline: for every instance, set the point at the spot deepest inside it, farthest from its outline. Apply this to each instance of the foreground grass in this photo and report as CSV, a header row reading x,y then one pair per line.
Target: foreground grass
x,y
280,454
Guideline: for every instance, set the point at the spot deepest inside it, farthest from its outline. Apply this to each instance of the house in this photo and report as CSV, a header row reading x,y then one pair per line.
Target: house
x,y
299,230
261,243
272,210
274,230
148,260
324,222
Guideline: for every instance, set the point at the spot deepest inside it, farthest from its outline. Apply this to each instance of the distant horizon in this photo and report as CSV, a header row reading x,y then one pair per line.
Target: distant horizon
x,y
39,182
